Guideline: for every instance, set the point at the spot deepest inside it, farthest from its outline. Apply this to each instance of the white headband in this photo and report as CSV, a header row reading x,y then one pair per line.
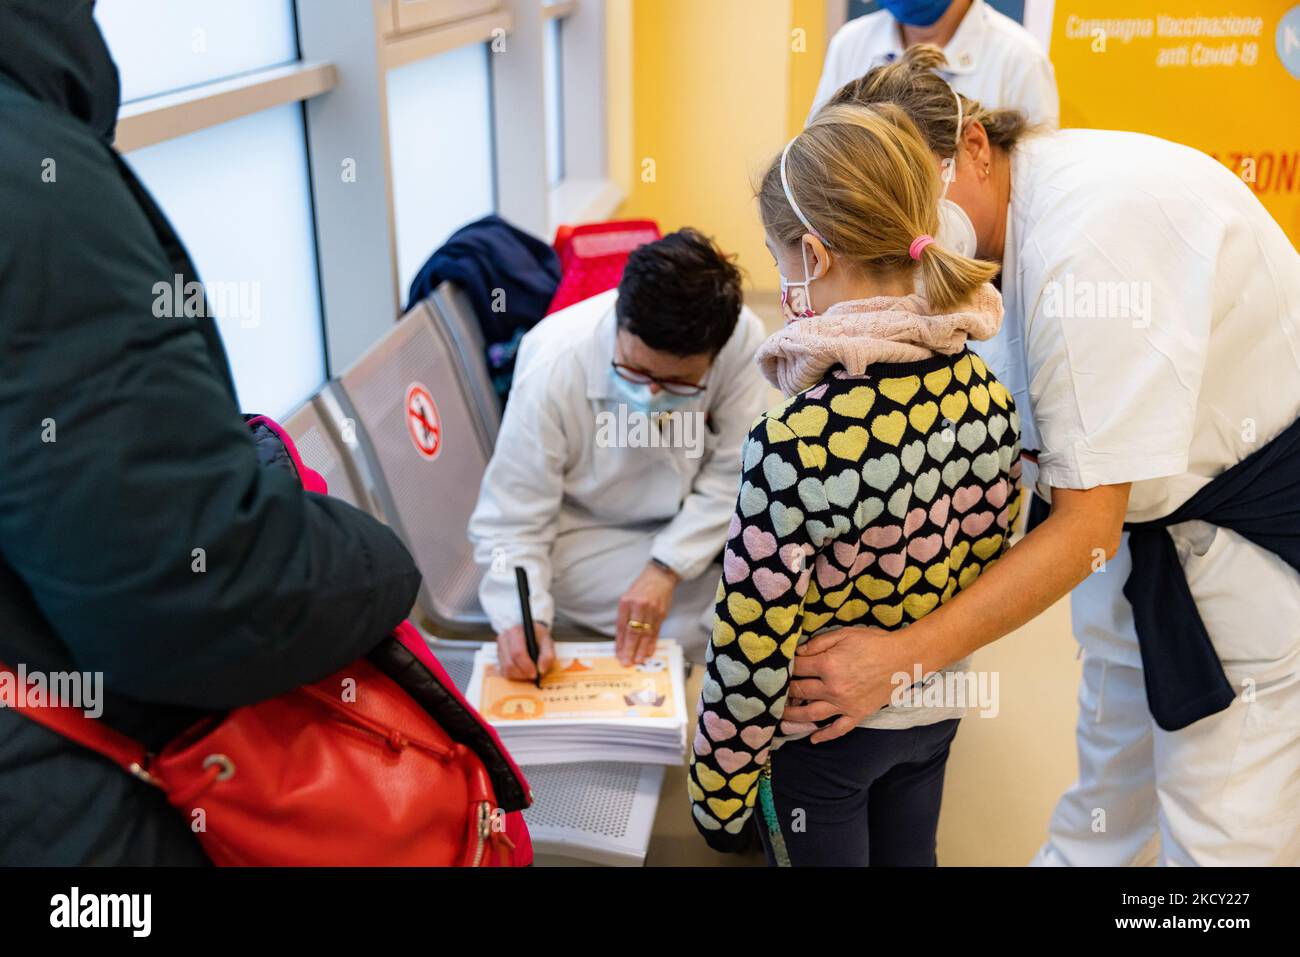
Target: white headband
x,y
789,194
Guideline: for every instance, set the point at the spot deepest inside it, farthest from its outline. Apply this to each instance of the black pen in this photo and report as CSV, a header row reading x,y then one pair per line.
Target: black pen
x,y
530,633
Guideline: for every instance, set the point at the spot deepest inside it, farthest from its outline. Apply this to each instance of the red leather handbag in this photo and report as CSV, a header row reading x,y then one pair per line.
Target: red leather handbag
x,y
382,763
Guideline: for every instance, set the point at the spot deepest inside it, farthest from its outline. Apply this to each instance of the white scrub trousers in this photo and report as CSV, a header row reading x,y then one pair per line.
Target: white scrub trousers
x,y
592,569
1226,789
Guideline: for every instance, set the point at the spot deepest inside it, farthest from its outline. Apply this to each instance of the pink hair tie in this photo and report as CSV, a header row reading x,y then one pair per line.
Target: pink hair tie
x,y
918,246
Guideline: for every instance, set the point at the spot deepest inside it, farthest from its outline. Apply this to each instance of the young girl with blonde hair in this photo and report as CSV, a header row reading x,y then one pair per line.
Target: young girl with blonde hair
x,y
879,489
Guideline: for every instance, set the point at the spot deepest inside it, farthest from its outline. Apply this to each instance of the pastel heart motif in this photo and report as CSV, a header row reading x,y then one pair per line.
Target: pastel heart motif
x,y
845,553
900,390
743,708
812,456
731,672
717,728
915,519
910,577
852,442
927,483
939,510
967,497
894,563
998,492
752,500
731,761
756,647
701,744
854,404
771,585
779,473
756,736
770,680
785,519
704,820
882,536
828,576
955,471
868,511
779,620
886,428
976,523
753,454
734,568
922,416
743,610
924,549
899,501
758,543
940,444
912,456
880,473
793,557
711,691
864,561
938,380
842,489
808,423
972,435
813,495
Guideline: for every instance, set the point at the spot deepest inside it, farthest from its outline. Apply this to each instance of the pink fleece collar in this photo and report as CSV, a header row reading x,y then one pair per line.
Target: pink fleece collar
x,y
862,332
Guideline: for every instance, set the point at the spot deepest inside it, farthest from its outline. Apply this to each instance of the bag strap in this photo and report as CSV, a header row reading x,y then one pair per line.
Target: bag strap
x,y
72,724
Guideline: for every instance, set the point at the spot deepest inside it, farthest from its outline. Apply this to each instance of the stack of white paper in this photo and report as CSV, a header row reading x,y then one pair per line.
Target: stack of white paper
x,y
589,708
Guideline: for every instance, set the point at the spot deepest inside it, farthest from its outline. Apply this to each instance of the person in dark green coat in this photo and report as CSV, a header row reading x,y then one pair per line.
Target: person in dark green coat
x,y
122,451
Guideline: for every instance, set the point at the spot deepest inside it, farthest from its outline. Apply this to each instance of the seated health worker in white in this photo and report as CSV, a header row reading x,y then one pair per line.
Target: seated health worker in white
x,y
617,462
991,58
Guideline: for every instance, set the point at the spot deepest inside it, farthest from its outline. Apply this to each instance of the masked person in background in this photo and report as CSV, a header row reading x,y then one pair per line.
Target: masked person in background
x,y
616,465
990,57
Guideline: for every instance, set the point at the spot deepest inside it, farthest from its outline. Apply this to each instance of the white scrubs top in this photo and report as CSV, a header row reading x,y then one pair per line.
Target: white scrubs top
x,y
557,491
991,59
1152,336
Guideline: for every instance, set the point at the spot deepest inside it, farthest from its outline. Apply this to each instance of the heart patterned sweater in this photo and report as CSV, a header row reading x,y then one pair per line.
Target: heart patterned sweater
x,y
865,500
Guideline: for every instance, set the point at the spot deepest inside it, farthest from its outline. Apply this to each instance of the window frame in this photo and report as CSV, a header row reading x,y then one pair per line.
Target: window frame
x,y
341,84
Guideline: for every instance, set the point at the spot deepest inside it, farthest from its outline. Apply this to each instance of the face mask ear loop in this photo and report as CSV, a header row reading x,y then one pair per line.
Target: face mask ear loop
x,y
950,165
789,194
807,278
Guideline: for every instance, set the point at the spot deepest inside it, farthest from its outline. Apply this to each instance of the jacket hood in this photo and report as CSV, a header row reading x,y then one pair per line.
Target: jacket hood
x,y
53,50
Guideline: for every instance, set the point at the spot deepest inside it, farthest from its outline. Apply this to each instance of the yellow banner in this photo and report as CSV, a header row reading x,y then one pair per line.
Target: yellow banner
x,y
1219,76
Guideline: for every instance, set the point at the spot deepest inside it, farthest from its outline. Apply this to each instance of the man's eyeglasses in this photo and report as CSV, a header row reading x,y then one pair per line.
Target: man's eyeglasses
x,y
641,377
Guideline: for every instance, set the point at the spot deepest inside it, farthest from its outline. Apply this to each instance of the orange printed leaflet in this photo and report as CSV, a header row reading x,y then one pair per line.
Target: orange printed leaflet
x,y
589,708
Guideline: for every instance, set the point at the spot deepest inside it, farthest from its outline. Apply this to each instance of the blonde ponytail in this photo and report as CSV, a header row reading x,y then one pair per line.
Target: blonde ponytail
x,y
867,183
951,280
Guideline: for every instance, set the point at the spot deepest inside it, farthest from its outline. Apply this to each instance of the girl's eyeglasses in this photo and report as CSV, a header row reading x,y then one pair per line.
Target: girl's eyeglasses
x,y
641,377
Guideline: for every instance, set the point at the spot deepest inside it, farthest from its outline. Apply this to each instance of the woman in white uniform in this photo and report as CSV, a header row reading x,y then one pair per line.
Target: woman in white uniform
x,y
1152,341
991,58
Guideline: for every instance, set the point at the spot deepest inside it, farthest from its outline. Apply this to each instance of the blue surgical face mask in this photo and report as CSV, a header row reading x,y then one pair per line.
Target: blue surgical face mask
x,y
638,397
916,13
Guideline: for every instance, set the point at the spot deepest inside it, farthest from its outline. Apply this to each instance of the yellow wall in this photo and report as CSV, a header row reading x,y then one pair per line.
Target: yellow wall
x,y
715,90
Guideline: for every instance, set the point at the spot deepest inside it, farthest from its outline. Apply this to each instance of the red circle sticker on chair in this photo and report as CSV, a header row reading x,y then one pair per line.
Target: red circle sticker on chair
x,y
422,421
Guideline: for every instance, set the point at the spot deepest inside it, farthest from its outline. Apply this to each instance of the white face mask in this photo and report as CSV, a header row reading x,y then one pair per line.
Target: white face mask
x,y
956,231
796,297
